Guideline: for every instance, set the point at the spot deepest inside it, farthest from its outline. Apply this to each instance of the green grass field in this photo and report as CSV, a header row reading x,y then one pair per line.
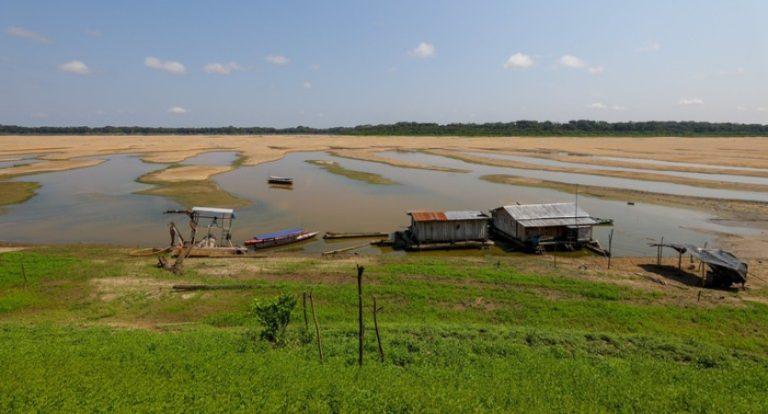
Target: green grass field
x,y
93,329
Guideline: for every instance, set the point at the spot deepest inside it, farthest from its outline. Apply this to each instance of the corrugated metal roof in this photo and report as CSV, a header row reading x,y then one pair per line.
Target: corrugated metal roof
x,y
553,214
447,215
212,212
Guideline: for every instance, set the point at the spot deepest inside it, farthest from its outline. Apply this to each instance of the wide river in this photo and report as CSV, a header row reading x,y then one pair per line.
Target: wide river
x,y
99,204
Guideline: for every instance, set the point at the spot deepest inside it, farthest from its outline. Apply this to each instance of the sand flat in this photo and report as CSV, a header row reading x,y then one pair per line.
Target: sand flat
x,y
184,173
736,152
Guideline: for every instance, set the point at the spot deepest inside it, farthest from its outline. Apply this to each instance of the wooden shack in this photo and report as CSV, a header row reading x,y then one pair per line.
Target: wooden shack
x,y
448,228
541,225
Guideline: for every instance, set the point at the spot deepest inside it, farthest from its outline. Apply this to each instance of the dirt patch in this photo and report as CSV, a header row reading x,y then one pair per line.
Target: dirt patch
x,y
109,289
10,249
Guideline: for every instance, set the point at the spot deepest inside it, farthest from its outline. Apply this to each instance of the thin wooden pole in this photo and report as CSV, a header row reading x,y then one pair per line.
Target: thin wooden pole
x,y
360,327
24,273
610,248
317,328
680,261
376,328
304,308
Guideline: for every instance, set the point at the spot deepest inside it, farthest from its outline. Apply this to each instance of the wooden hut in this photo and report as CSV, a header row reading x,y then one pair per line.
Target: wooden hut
x,y
444,229
541,225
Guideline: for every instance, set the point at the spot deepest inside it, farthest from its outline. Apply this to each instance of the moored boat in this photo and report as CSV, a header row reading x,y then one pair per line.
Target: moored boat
x,y
280,180
279,238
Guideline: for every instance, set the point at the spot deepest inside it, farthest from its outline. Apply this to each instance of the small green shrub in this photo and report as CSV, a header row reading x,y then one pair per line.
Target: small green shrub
x,y
275,317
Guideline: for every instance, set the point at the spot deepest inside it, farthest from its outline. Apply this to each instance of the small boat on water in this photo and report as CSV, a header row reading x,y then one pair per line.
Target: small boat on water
x,y
273,179
279,238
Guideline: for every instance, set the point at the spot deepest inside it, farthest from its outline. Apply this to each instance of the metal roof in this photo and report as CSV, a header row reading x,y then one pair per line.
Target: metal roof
x,y
547,215
214,212
279,234
447,215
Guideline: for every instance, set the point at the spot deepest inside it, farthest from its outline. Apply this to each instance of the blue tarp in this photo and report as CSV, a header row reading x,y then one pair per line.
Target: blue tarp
x,y
279,234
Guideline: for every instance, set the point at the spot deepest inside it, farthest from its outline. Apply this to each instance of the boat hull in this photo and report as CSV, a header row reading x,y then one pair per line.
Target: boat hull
x,y
257,244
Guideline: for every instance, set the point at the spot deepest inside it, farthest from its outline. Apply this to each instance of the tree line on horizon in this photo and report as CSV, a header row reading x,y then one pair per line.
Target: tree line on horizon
x,y
517,128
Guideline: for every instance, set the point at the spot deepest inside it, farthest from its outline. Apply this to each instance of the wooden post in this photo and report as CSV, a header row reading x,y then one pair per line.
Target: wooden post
x,y
554,260
317,327
24,273
360,327
680,262
610,248
376,328
304,308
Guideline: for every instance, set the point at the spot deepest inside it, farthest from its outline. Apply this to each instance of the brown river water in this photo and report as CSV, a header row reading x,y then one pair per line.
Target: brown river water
x,y
98,204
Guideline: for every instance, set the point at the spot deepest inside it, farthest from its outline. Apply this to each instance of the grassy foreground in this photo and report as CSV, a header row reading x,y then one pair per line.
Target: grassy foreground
x,y
93,329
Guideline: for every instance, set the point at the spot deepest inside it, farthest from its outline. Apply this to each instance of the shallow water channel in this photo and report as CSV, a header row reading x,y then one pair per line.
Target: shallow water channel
x,y
98,204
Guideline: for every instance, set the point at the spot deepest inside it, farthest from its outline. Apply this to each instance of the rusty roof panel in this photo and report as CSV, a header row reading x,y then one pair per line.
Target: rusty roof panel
x,y
428,216
447,215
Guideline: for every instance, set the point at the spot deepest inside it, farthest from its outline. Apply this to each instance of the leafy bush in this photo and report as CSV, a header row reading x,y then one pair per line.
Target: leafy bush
x,y
275,317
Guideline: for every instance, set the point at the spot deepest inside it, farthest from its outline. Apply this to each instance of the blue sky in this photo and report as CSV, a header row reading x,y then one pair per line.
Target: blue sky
x,y
314,63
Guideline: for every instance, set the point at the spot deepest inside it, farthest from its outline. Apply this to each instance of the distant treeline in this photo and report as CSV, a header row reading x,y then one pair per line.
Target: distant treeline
x,y
518,128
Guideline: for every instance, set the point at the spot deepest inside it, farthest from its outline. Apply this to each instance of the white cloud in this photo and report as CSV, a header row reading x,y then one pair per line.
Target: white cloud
x,y
518,60
596,70
177,110
571,61
651,47
92,32
222,69
733,72
77,67
23,33
762,109
601,106
169,66
423,51
278,59
690,101
307,85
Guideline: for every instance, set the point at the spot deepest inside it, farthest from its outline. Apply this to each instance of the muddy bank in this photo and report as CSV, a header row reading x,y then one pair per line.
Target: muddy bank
x,y
191,185
47,166
372,156
16,192
366,177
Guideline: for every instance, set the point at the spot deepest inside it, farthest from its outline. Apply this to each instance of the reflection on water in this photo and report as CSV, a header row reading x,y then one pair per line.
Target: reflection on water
x,y
553,163
97,205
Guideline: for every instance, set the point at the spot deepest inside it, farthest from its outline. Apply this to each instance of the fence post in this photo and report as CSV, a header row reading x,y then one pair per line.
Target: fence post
x,y
360,327
317,327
